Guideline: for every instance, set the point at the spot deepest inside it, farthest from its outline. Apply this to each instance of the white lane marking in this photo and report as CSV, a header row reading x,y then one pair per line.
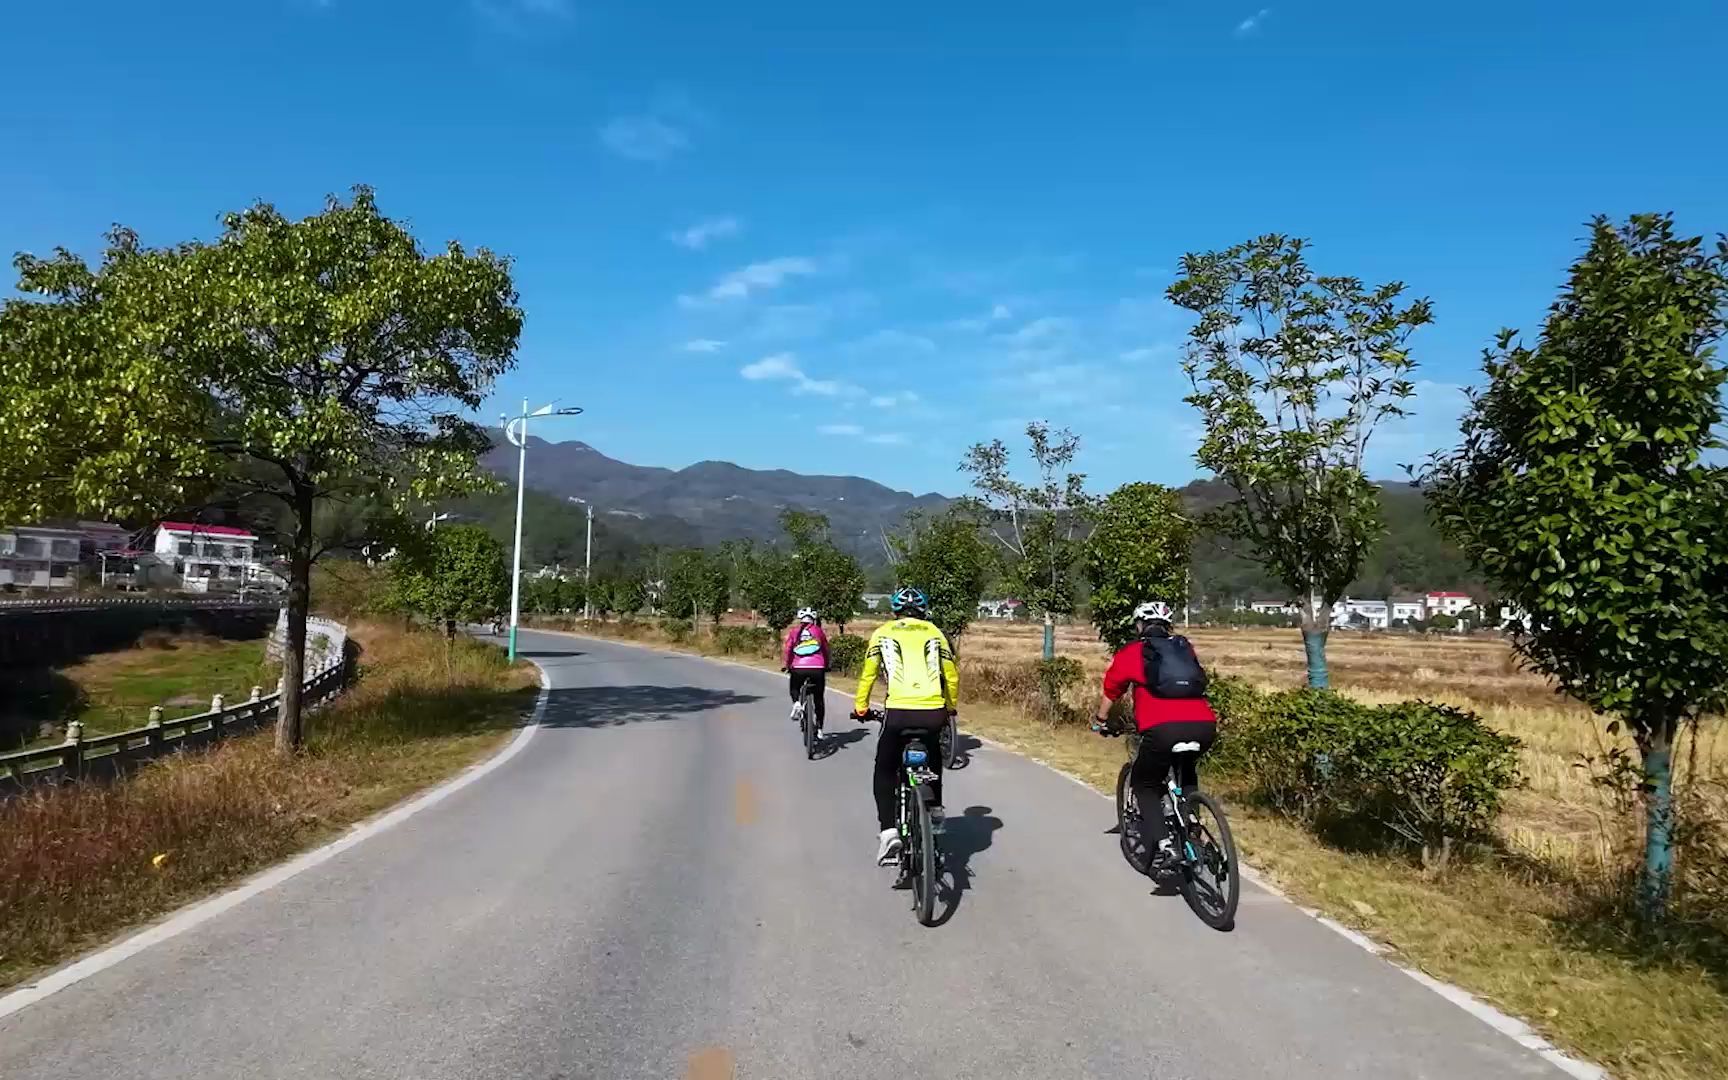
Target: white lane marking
x,y
1507,1025
205,910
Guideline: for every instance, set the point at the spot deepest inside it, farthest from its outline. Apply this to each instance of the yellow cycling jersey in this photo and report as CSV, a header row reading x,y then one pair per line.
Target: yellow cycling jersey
x,y
917,663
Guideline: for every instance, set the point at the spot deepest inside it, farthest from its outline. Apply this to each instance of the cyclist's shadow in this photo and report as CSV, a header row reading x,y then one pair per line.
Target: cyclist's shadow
x,y
963,836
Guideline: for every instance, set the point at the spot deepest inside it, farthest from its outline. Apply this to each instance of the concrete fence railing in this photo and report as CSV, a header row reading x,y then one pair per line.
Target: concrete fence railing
x,y
104,757
28,604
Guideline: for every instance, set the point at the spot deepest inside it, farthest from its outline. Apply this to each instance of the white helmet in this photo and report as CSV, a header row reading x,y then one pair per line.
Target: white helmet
x,y
806,614
1152,611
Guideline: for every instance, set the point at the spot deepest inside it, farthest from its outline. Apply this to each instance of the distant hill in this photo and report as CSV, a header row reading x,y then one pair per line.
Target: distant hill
x,y
713,501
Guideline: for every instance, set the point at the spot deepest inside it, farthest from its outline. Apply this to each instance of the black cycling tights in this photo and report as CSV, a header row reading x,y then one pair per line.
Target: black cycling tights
x,y
1153,764
818,689
898,725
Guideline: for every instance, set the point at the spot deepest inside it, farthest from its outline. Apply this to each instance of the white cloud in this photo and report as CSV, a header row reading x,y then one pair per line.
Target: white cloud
x,y
890,401
740,283
1039,330
699,235
704,345
1252,22
840,429
1148,352
783,367
886,438
643,138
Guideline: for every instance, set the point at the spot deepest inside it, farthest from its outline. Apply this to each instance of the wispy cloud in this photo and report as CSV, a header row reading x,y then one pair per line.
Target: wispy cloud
x,y
704,345
891,401
886,438
701,234
1039,330
783,367
1252,23
840,429
1148,352
643,138
895,341
514,16
740,283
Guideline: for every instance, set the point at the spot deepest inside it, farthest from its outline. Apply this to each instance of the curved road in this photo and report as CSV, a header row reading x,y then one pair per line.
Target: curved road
x,y
660,886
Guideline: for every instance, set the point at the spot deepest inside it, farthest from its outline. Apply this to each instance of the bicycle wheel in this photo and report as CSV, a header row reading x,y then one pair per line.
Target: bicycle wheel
x,y
949,744
1211,881
1128,824
808,722
922,849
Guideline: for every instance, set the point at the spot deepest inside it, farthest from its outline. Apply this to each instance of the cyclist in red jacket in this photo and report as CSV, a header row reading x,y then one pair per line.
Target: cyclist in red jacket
x,y
1170,708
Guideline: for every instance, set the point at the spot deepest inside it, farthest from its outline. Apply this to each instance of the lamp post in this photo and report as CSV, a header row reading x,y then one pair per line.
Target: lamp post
x,y
587,558
516,431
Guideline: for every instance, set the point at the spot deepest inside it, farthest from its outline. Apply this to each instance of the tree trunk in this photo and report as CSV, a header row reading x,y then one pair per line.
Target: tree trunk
x,y
1316,621
450,630
289,732
1658,880
1049,636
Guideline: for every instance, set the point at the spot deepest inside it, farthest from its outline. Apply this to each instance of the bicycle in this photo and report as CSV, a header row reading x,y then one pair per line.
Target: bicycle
x,y
1208,874
804,715
920,857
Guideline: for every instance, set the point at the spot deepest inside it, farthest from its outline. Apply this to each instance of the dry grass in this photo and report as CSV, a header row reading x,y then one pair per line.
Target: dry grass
x,y
1535,928
81,863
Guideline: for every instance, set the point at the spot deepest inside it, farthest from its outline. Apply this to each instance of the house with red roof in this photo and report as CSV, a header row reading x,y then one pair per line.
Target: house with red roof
x,y
206,558
1448,603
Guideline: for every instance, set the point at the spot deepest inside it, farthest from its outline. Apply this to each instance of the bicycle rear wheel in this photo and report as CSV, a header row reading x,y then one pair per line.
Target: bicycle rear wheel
x,y
808,722
949,744
922,850
1128,830
1211,880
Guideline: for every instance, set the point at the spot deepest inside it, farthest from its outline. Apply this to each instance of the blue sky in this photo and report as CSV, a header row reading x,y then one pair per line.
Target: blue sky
x,y
857,238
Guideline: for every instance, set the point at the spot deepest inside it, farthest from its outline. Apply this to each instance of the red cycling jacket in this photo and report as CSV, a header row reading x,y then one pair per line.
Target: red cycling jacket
x,y
1128,668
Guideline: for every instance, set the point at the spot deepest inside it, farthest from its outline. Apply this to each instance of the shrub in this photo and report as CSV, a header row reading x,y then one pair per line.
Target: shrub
x,y
846,653
679,631
1428,774
745,640
1055,676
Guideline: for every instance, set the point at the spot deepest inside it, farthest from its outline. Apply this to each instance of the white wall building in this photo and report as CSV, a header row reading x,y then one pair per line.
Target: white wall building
x,y
1349,613
206,557
1275,607
999,609
38,557
1447,603
1409,611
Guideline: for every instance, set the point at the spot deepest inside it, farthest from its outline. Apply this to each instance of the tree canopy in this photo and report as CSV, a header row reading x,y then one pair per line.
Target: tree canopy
x,y
1138,551
948,558
456,574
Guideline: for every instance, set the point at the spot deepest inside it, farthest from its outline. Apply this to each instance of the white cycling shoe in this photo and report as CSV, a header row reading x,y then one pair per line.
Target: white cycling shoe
x,y
888,847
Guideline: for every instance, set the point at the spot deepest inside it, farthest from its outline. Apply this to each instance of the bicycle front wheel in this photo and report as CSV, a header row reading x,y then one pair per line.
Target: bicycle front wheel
x,y
1128,830
1211,878
923,853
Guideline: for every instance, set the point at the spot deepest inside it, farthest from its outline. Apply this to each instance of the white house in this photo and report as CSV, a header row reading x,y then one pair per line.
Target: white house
x,y
1275,607
874,601
999,609
39,557
1363,614
206,557
1447,603
1413,610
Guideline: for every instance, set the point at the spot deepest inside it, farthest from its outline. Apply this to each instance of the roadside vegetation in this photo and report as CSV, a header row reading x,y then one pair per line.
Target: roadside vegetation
x,y
81,863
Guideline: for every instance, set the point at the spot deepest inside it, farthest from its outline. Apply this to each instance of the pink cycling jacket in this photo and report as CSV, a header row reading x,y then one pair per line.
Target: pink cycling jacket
x,y
806,648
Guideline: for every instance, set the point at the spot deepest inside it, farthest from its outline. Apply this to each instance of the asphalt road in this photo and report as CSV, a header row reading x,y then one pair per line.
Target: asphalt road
x,y
659,885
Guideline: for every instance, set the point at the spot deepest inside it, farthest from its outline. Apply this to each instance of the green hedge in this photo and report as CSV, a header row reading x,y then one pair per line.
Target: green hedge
x,y
746,641
1418,773
846,653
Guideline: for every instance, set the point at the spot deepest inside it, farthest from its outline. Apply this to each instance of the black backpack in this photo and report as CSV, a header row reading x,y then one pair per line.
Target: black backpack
x,y
1172,669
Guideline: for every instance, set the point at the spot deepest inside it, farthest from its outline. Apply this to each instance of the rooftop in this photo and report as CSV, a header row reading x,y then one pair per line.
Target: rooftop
x,y
206,530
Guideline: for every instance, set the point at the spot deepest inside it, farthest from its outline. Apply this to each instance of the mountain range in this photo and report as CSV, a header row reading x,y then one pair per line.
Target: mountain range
x,y
636,506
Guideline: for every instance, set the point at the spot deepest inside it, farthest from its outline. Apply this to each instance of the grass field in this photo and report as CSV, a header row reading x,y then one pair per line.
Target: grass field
x,y
1533,926
79,864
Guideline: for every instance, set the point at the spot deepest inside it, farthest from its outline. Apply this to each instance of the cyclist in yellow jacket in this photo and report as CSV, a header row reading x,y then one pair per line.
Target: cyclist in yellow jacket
x,y
917,663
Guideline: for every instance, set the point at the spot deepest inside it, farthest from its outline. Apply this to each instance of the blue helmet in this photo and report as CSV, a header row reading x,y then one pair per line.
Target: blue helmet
x,y
910,602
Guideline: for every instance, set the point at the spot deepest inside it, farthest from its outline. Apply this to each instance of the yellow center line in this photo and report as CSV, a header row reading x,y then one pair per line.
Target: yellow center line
x,y
711,1063
744,803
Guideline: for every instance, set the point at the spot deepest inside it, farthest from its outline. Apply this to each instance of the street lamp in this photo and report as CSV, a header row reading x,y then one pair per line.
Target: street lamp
x,y
587,558
432,522
516,431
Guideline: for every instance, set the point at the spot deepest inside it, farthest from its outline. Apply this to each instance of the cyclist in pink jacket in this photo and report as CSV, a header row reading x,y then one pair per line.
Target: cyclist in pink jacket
x,y
806,657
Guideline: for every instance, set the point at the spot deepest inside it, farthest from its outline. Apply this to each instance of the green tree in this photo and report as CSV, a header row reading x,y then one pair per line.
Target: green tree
x,y
1138,551
1037,524
1292,373
288,365
628,595
826,578
1582,492
697,583
456,574
768,586
949,559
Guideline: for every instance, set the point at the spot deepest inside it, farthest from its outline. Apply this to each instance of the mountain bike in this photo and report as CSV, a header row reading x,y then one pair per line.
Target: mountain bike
x,y
804,713
920,854
1208,874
